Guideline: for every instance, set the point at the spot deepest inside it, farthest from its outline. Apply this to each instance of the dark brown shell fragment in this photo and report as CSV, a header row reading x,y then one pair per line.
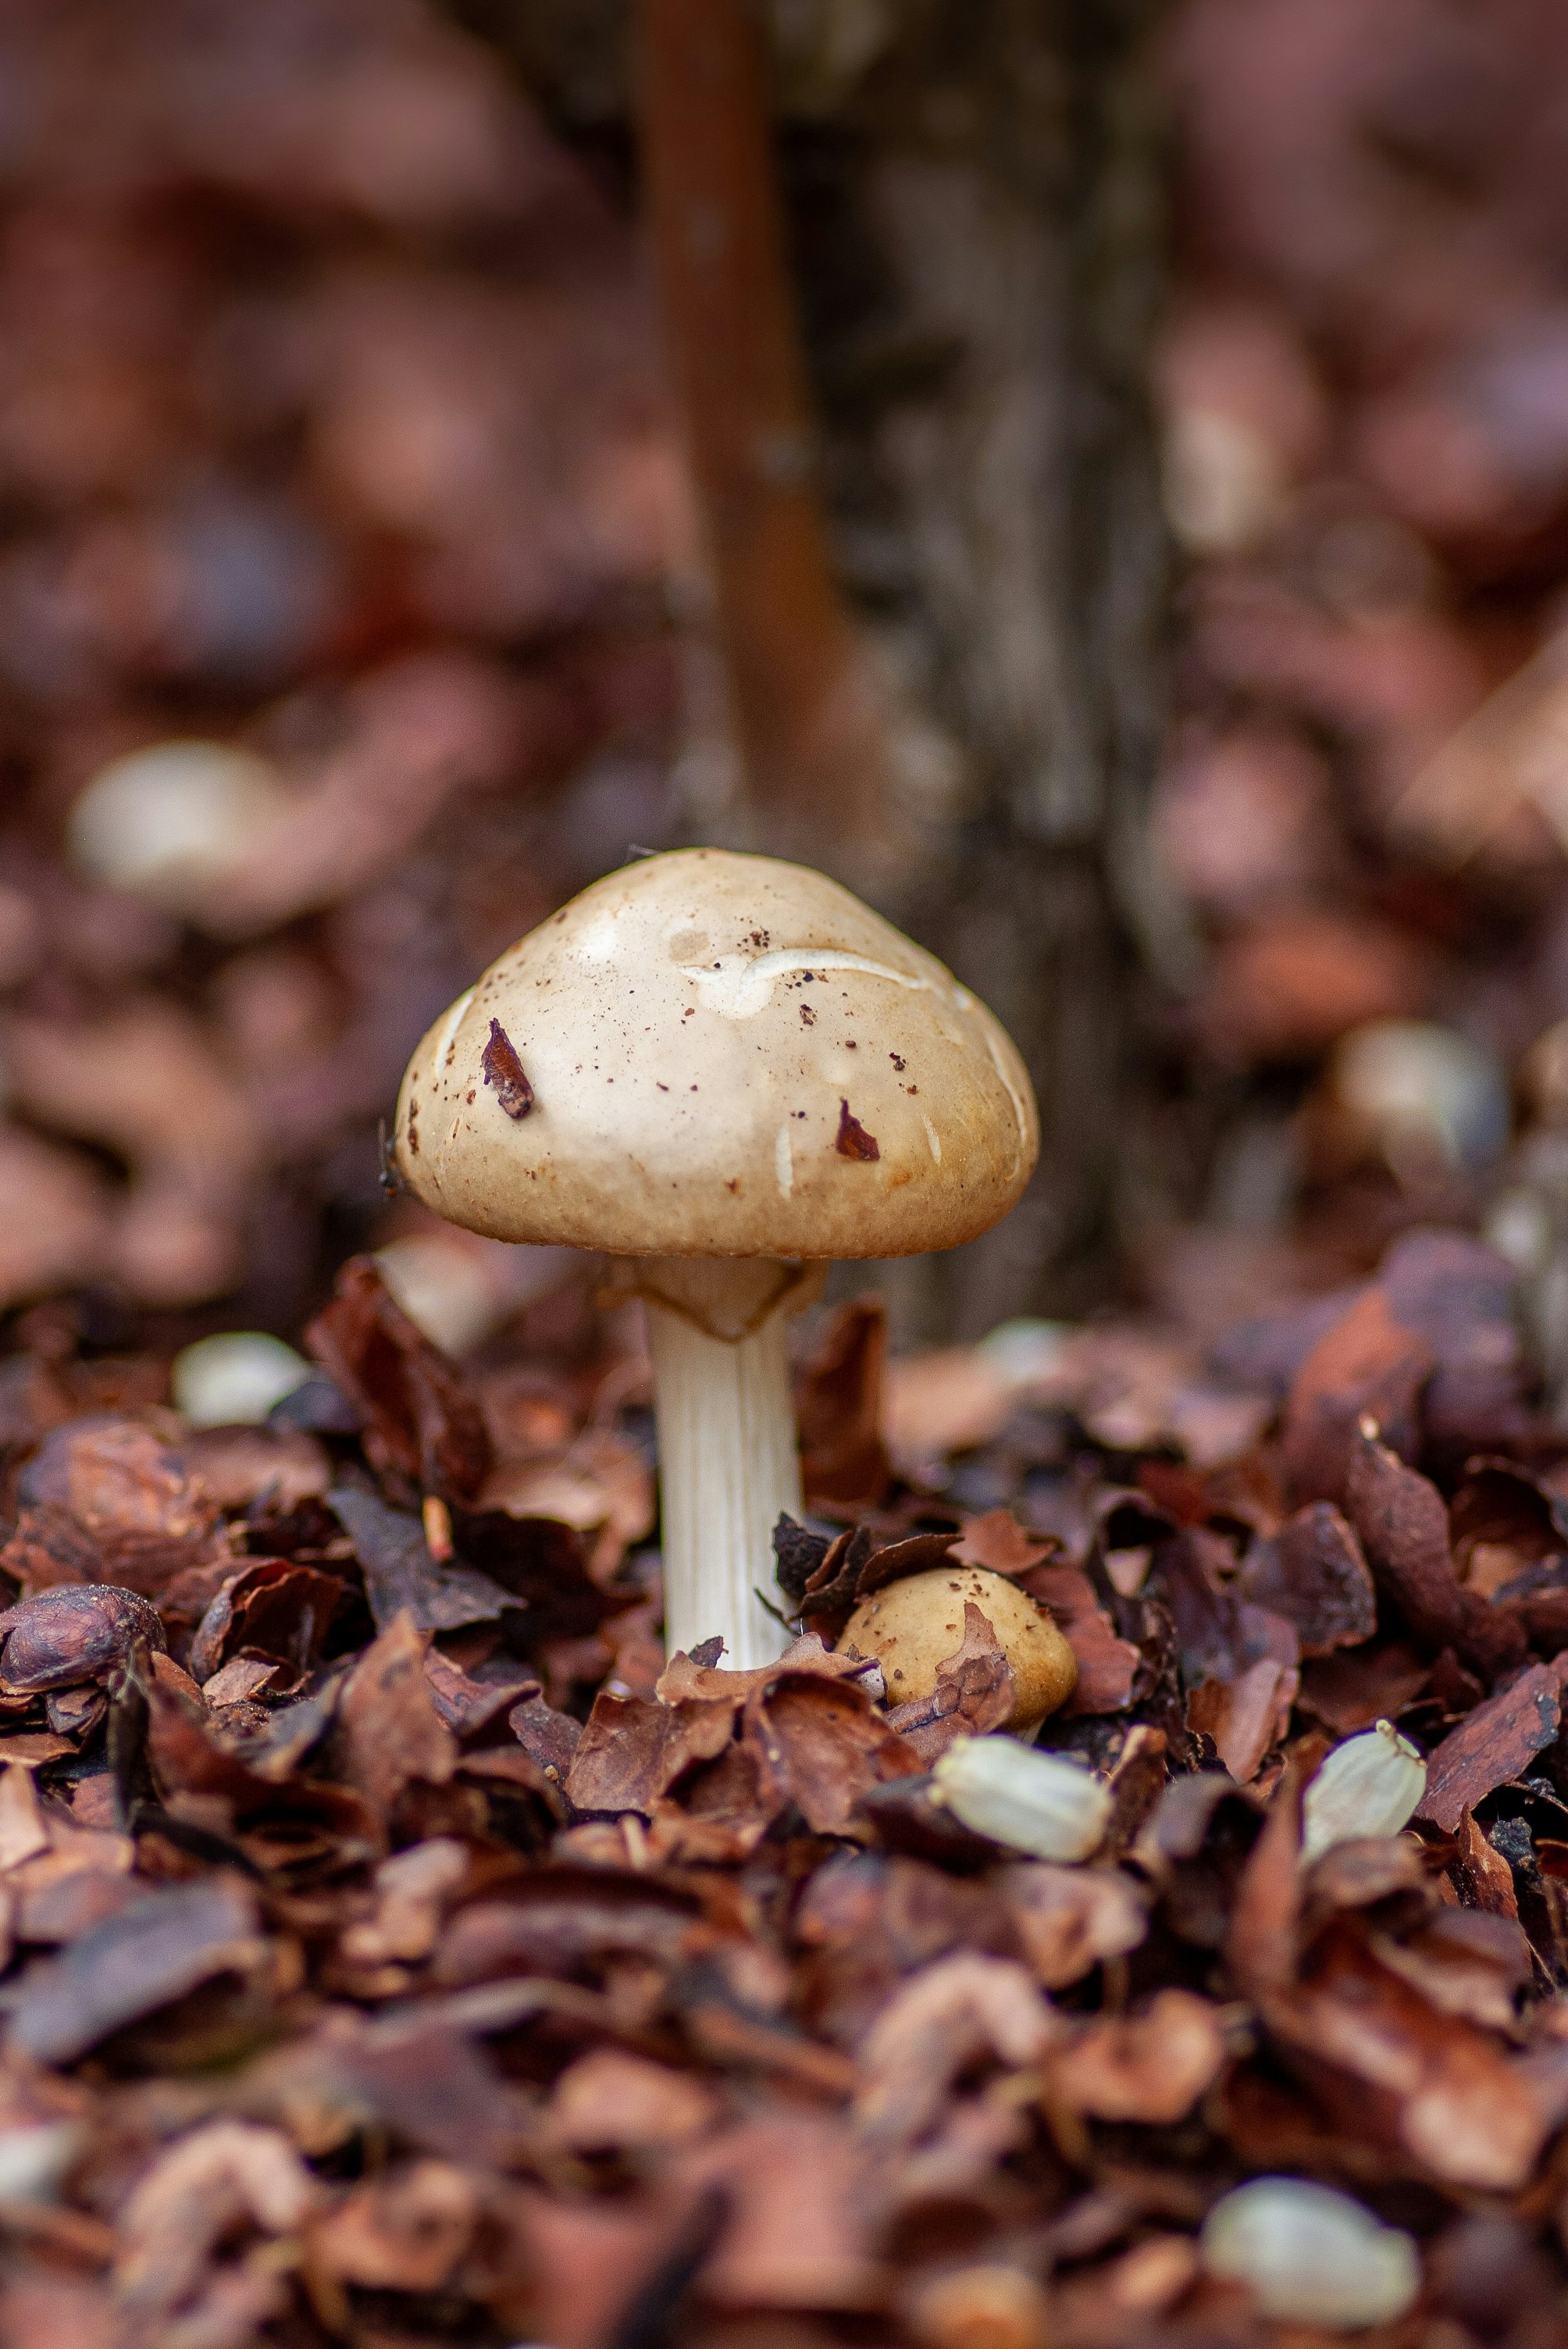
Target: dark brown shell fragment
x,y
77,1631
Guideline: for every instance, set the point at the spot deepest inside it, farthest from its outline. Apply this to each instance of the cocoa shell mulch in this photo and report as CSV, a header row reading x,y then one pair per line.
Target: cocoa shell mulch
x,y
401,1949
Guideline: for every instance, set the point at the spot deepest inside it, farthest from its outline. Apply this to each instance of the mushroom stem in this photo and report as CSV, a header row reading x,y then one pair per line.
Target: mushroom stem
x,y
727,1459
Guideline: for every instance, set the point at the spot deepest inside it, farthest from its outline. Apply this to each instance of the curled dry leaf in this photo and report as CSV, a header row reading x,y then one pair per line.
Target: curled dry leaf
x,y
1404,1530
800,2195
1364,1365
104,1501
420,1417
568,1923
1436,2087
412,1889
955,2013
405,2231
225,2175
614,2099
839,1408
999,1543
402,1578
1246,1716
548,1737
632,1750
261,1469
1107,1665
274,1607
388,1727
1313,1574
1466,1963
152,1952
827,1745
1152,2067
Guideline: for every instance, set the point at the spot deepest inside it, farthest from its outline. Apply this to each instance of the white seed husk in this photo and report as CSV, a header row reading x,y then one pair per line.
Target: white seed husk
x,y
233,1380
1371,1786
1035,1802
1310,2254
33,2158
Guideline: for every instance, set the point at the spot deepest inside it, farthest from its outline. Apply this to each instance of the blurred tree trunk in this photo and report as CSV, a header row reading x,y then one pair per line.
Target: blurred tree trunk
x,y
975,199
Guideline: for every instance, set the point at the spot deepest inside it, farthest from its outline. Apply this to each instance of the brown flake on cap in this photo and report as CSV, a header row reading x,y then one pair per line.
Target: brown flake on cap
x,y
852,1140
504,1070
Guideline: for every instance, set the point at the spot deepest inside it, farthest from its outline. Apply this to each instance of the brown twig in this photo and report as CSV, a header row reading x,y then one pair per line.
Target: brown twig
x,y
802,704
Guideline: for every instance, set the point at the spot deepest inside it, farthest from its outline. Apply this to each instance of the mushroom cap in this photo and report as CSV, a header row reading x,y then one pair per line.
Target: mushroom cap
x,y
724,1055
915,1625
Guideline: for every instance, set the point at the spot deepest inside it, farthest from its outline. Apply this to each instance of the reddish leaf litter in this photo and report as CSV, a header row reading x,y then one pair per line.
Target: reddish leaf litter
x,y
399,1950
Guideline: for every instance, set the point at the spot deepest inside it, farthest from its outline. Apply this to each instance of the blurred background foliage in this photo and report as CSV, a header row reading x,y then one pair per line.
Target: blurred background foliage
x,y
1182,431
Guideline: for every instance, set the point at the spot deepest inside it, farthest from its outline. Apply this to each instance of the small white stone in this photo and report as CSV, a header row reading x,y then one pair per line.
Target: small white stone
x,y
1309,2254
172,822
1418,1092
1027,1351
33,2159
1036,1802
459,1290
1371,1786
233,1380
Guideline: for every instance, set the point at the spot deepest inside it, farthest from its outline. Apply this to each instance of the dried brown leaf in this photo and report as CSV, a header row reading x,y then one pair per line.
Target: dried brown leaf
x,y
1313,1574
632,1750
1491,1744
614,2099
149,1953
1247,1716
1261,1937
197,2195
389,1731
401,1576
952,2014
1151,2067
837,1405
1108,1664
407,2230
1391,2062
998,1542
420,1417
1070,1919
1404,1530
826,1744
1364,1364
